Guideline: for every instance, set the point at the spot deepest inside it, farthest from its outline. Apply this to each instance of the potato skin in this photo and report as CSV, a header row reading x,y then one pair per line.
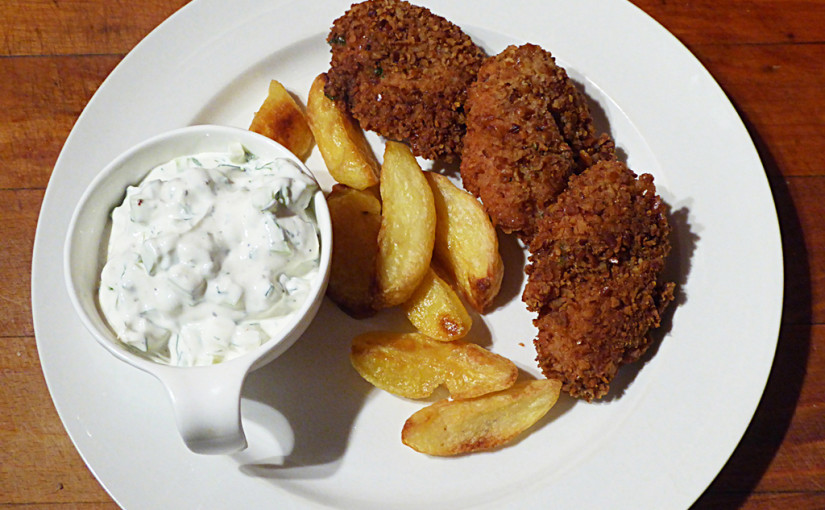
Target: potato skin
x,y
412,365
466,243
408,222
281,119
356,218
436,310
341,142
454,427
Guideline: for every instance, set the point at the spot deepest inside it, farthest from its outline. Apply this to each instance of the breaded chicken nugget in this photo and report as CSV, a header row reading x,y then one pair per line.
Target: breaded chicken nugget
x,y
593,277
403,72
528,130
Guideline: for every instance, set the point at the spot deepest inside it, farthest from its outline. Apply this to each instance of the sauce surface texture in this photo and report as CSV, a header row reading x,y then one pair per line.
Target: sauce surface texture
x,y
209,255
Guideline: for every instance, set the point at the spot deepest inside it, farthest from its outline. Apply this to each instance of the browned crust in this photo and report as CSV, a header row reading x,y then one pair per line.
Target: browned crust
x,y
528,131
593,277
403,72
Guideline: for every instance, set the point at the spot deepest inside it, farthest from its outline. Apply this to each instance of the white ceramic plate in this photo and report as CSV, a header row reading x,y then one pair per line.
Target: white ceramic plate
x,y
319,435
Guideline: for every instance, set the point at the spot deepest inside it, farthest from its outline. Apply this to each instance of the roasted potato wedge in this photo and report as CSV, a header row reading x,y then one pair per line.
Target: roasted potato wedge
x,y
281,119
436,310
346,152
452,427
408,223
466,243
356,218
413,365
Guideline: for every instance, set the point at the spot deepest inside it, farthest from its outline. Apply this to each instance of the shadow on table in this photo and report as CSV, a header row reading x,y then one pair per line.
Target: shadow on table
x,y
749,462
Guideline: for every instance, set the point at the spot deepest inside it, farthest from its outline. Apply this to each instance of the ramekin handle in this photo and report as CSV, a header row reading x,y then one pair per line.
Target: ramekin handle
x,y
207,407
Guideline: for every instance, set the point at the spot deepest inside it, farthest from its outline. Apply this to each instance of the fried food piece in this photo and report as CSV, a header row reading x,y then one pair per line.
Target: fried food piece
x,y
528,130
593,277
403,72
346,152
453,427
466,243
356,219
281,119
436,310
407,234
413,365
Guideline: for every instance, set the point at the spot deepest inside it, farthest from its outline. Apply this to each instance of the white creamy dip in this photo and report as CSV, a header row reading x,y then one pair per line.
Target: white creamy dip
x,y
209,255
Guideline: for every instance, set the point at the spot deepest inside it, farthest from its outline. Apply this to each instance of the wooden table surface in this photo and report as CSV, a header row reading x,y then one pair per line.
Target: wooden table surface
x,y
768,56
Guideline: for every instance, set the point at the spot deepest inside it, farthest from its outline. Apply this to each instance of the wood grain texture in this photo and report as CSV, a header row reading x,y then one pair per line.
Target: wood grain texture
x,y
39,465
79,27
19,209
739,22
775,90
41,98
767,55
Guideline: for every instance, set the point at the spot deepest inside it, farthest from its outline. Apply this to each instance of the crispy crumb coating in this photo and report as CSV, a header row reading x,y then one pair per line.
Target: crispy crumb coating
x,y
593,277
528,130
403,72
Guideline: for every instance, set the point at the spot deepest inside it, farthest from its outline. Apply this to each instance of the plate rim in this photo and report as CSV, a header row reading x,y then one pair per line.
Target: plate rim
x,y
201,8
